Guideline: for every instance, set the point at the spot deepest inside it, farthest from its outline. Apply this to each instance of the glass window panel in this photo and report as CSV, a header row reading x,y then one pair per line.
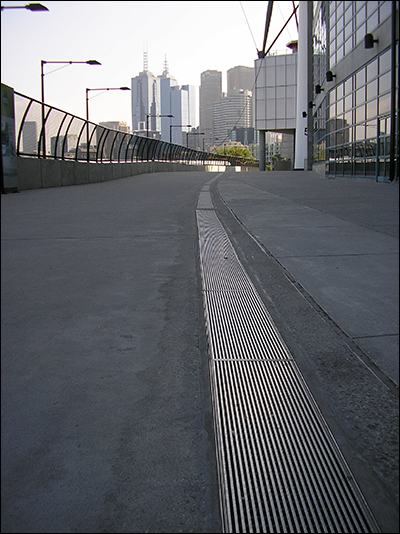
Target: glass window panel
x,y
339,39
385,10
372,5
348,86
360,4
280,108
360,18
360,96
360,78
270,77
372,109
384,104
372,70
360,34
290,108
290,92
340,106
360,132
371,130
385,62
372,22
348,46
348,30
348,119
339,91
381,146
280,77
348,15
385,83
372,90
348,102
360,114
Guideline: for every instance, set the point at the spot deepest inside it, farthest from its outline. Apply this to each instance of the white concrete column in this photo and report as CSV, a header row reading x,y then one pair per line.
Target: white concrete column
x,y
300,150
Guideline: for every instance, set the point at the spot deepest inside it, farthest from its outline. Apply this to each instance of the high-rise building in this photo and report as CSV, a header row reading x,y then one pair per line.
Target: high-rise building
x,y
240,78
341,99
210,92
145,100
166,82
355,131
233,111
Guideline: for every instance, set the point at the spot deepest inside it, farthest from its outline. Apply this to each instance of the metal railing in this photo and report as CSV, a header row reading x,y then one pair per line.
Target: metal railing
x,y
46,132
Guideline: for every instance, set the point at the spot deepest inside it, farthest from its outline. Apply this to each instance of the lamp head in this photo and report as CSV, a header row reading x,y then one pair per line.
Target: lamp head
x,y
330,76
36,7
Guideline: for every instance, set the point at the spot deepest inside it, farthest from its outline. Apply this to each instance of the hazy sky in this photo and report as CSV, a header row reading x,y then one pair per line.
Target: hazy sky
x,y
193,36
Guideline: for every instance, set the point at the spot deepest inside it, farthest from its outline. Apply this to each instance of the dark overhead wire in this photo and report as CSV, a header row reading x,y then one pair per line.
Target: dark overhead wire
x,y
248,25
294,12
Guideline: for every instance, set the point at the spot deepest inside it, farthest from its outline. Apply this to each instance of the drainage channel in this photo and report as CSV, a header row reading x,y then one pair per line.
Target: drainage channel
x,y
279,467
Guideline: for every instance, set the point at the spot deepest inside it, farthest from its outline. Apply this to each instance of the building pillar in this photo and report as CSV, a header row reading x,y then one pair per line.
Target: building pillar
x,y
261,150
302,88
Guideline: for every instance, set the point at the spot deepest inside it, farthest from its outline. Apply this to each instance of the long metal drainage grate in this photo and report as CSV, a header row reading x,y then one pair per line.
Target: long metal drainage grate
x,y
279,467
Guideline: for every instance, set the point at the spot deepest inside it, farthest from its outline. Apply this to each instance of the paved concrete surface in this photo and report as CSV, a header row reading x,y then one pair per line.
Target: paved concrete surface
x,y
106,412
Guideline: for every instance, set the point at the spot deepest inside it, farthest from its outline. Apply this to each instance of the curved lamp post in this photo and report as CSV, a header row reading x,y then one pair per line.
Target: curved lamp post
x,y
177,126
87,108
147,121
101,89
30,7
42,63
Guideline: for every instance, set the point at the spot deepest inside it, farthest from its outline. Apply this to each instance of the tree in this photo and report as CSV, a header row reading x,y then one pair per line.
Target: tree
x,y
240,151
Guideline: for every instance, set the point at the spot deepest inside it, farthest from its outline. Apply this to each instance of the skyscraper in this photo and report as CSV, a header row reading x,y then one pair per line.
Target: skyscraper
x,y
145,99
210,92
232,111
166,81
240,79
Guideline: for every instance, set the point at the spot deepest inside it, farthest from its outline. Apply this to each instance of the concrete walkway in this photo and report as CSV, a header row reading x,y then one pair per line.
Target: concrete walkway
x,y
340,240
106,410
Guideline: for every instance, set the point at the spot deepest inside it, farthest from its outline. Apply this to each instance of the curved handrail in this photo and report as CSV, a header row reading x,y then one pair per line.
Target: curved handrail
x,y
108,143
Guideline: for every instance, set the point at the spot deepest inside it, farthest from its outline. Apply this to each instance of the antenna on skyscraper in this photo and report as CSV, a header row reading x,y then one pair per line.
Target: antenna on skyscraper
x,y
145,60
165,73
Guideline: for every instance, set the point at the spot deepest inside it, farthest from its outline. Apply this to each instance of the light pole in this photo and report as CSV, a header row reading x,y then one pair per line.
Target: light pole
x,y
101,89
42,63
87,108
147,121
30,7
177,126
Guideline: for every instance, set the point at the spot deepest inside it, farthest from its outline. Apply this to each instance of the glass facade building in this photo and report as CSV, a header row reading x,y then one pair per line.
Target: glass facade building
x,y
355,105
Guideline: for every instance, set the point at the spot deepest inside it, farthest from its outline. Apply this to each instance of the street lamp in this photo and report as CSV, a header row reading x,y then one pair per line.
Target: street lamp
x,y
177,126
42,63
147,121
87,108
31,7
102,89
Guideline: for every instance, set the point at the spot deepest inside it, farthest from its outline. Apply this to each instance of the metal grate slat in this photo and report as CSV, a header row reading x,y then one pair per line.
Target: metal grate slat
x,y
280,469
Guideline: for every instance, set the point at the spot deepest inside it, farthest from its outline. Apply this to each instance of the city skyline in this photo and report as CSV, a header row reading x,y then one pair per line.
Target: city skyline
x,y
203,36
